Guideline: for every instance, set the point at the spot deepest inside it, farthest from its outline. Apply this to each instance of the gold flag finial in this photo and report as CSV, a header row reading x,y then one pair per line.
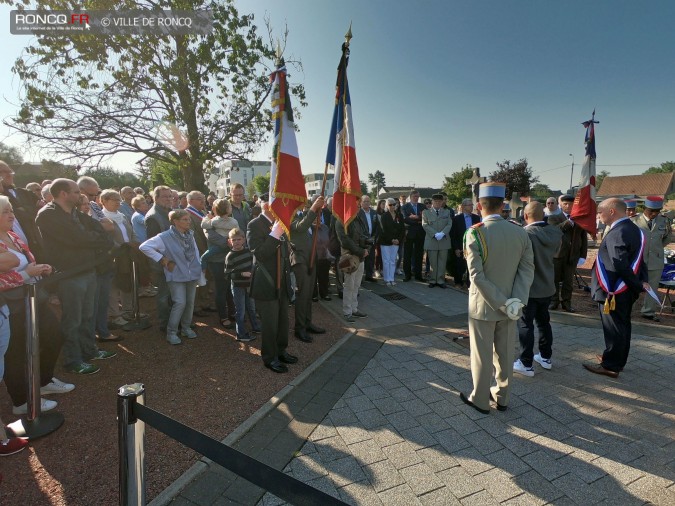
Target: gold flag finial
x,y
348,35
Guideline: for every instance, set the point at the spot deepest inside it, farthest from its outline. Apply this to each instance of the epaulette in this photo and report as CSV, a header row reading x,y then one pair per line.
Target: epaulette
x,y
514,222
476,225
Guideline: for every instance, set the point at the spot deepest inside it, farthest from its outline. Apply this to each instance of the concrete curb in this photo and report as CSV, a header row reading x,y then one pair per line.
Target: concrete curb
x,y
172,491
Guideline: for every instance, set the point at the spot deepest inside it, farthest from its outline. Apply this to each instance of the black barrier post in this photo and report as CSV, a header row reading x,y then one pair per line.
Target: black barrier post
x,y
131,438
35,424
139,322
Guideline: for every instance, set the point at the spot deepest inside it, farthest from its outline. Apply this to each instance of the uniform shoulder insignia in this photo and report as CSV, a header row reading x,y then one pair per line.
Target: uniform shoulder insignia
x,y
476,225
513,222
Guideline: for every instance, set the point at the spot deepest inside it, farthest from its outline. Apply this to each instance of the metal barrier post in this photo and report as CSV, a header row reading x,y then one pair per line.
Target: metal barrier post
x,y
139,322
35,424
131,438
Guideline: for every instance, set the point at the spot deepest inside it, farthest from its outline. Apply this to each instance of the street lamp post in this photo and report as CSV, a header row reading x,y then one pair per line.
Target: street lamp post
x,y
572,173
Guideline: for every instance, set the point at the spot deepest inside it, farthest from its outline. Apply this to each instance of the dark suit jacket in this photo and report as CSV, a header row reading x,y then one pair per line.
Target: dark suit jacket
x,y
392,228
377,229
574,243
619,248
413,228
264,248
301,241
458,229
200,236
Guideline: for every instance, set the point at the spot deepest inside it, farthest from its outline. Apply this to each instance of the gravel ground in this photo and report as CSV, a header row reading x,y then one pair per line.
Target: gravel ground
x,y
211,383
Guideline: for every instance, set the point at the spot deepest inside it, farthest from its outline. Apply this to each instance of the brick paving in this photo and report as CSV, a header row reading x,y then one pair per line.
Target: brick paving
x,y
380,420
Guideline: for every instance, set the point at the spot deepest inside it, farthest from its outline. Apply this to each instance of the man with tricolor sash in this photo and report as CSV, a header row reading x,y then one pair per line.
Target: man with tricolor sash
x,y
618,277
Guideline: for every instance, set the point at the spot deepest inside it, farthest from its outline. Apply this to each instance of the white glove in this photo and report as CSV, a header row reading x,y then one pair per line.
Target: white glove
x,y
277,230
439,235
581,262
512,308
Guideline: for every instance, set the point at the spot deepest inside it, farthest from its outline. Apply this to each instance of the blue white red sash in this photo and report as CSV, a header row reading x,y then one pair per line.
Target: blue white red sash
x,y
194,211
603,278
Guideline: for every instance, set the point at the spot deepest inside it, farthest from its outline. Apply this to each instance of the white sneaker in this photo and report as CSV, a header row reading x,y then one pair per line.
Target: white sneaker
x,y
544,362
521,369
45,405
56,386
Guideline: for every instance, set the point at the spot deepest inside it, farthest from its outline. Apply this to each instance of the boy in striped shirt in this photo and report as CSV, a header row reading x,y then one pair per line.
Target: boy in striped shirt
x,y
238,266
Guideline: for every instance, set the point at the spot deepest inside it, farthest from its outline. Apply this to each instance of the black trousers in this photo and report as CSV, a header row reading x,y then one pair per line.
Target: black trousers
x,y
617,329
51,340
536,310
305,281
460,270
369,263
274,319
564,273
322,277
413,252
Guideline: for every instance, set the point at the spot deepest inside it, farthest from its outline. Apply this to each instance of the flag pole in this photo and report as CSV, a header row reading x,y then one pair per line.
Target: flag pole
x,y
315,236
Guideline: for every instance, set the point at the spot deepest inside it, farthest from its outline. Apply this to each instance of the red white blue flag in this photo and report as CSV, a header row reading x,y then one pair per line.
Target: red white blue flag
x,y
287,184
341,155
584,209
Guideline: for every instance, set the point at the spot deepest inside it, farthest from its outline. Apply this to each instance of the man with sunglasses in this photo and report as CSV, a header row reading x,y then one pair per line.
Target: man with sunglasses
x,y
657,231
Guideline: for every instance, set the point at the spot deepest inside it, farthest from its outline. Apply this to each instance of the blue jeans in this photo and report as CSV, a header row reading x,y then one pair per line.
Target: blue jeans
x,y
77,318
183,303
224,302
244,304
4,337
162,298
101,302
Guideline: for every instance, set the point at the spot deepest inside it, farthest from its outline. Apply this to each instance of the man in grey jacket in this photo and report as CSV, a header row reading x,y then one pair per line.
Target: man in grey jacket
x,y
545,240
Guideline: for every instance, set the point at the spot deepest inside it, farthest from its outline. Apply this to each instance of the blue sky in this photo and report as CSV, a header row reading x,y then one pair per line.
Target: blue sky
x,y
439,84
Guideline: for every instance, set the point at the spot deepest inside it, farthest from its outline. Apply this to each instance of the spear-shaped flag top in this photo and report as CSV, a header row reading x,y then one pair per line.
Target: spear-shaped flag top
x,y
341,153
287,184
584,210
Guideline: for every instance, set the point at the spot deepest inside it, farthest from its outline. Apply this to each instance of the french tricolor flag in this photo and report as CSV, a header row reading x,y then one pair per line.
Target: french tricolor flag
x,y
287,184
584,209
341,155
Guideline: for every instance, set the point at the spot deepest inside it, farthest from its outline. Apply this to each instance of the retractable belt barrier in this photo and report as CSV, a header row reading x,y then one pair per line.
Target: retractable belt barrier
x,y
132,412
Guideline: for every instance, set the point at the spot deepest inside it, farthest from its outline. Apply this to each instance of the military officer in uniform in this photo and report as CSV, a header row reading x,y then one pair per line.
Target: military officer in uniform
x,y
501,269
631,208
657,231
436,223
305,277
271,286
572,253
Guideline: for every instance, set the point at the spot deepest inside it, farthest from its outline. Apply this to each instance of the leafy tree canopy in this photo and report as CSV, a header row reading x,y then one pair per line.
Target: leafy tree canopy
x,y
10,155
665,167
107,177
540,191
517,176
455,186
378,180
262,183
183,100
599,178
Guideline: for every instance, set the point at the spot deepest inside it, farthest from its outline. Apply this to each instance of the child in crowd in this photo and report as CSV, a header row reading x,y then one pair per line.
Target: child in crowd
x,y
238,265
221,224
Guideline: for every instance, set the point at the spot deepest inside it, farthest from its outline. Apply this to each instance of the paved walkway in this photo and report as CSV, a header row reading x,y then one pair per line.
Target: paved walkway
x,y
380,420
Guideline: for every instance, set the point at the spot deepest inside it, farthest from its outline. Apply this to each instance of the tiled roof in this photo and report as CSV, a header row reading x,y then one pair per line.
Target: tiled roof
x,y
646,184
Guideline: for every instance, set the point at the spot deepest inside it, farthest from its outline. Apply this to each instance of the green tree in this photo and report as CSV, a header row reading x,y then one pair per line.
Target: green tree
x,y
364,188
665,167
107,177
455,186
10,155
517,176
599,178
86,97
378,181
540,191
165,173
262,183
251,189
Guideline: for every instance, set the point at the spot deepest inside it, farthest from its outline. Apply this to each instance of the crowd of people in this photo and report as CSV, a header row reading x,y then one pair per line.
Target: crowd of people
x,y
197,254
